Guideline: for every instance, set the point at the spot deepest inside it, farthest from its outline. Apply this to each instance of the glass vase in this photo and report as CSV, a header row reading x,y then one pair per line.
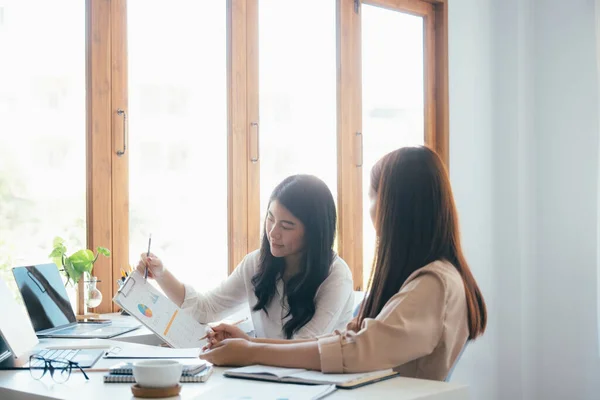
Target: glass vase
x,y
72,292
93,296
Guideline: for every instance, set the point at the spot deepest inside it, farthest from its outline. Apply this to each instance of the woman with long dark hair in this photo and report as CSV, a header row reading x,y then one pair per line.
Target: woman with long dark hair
x,y
295,284
423,302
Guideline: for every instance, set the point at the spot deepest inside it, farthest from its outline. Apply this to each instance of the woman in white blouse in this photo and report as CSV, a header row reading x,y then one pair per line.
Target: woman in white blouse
x,y
295,284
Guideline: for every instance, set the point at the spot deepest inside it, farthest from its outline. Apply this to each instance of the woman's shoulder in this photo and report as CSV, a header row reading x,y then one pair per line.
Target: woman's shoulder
x,y
249,263
444,271
253,256
339,268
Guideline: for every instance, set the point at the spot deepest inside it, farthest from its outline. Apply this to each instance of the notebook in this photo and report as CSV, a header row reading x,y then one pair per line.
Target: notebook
x,y
202,376
126,368
292,375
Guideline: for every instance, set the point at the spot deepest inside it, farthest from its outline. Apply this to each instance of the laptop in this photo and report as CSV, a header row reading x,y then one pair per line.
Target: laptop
x,y
50,310
18,339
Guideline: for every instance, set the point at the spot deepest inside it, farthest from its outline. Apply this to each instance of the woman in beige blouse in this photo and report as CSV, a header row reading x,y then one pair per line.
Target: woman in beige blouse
x,y
423,302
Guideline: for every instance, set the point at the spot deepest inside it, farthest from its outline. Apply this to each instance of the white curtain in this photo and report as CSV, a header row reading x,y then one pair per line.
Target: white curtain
x,y
597,23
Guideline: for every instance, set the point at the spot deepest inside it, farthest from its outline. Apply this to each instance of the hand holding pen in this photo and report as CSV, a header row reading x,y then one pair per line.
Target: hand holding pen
x,y
153,263
218,333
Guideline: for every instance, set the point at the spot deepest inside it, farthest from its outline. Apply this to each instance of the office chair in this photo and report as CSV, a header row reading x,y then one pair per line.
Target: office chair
x,y
358,299
455,362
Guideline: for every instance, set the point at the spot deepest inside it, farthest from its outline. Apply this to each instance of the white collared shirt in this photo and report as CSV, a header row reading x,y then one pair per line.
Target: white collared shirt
x,y
334,301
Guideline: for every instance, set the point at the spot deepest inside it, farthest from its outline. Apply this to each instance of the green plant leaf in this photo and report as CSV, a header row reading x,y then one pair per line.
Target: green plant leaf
x,y
71,271
82,260
58,251
58,241
104,251
57,261
59,248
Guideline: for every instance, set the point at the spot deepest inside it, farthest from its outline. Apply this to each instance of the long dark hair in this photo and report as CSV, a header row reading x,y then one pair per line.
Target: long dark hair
x,y
416,224
309,199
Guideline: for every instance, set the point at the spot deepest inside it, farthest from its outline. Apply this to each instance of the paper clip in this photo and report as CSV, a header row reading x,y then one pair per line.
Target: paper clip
x,y
127,286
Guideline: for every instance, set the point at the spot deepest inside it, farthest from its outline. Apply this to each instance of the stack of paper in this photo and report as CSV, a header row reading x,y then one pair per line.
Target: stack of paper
x,y
247,390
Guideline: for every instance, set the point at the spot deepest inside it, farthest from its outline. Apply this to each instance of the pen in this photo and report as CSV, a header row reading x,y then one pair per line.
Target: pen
x,y
147,255
234,324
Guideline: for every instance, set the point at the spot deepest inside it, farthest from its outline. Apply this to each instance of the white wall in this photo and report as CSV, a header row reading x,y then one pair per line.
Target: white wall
x,y
513,201
566,119
524,166
470,69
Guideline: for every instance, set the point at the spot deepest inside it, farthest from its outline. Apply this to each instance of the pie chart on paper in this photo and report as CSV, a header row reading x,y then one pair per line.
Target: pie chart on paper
x,y
145,310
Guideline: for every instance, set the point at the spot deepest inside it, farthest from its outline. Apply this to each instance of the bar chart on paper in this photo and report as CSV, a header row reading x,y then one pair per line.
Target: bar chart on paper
x,y
159,314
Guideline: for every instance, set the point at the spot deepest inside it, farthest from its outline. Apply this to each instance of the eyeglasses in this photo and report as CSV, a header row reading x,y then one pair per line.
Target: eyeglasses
x,y
60,369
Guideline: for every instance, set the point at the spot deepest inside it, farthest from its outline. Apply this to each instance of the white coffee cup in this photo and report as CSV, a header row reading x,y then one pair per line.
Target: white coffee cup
x,y
157,373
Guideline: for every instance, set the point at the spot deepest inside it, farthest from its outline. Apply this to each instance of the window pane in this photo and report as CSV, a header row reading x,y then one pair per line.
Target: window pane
x,y
392,88
178,136
42,130
297,92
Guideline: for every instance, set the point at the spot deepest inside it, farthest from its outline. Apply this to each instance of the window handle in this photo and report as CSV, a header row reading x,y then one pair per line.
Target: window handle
x,y
358,148
254,158
125,129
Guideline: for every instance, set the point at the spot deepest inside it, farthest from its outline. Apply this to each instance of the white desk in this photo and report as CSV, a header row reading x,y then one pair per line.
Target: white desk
x,y
17,385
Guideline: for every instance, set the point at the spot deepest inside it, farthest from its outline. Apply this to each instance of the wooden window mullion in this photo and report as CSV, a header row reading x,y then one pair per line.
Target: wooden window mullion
x,y
349,134
99,145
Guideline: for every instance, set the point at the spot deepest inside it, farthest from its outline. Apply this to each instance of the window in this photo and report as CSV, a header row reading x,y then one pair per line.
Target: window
x,y
178,136
393,105
42,125
297,93
179,121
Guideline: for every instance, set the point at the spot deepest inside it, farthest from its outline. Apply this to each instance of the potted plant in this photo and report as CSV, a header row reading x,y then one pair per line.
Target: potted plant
x,y
78,264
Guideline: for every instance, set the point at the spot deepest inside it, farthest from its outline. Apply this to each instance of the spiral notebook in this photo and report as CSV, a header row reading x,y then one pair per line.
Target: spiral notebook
x,y
122,378
126,368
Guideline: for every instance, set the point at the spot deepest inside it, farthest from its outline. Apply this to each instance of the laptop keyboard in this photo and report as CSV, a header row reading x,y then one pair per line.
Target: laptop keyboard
x,y
80,328
64,354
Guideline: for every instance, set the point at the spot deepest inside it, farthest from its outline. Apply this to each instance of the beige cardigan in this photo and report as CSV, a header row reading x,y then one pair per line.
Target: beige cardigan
x,y
419,332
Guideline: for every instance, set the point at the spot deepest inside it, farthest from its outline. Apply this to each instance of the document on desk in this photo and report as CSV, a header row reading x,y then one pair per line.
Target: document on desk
x,y
145,351
153,309
248,390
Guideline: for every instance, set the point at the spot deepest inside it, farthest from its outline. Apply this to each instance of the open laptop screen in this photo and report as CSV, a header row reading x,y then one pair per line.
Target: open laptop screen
x,y
44,295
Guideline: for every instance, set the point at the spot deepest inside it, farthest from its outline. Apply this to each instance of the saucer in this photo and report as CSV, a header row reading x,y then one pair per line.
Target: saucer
x,y
150,393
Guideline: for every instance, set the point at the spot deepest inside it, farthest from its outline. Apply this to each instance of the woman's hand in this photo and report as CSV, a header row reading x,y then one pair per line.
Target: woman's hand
x,y
231,352
155,266
217,334
353,325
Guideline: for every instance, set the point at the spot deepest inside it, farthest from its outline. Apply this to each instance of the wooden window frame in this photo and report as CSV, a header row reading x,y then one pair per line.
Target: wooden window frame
x,y
435,21
243,173
120,163
349,127
106,87
108,173
349,137
99,146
